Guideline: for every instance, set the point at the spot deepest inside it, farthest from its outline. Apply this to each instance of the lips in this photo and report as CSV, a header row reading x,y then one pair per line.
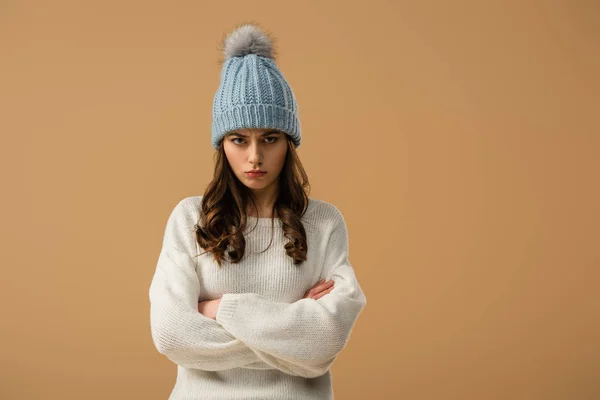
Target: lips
x,y
255,174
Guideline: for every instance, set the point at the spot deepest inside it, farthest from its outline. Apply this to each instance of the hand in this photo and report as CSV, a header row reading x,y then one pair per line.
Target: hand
x,y
319,290
209,308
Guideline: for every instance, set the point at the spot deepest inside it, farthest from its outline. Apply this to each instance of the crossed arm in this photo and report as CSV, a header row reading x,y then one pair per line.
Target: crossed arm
x,y
183,334
209,308
250,331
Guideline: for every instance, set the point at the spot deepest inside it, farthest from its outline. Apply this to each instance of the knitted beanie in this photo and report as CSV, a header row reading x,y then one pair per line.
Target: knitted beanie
x,y
253,92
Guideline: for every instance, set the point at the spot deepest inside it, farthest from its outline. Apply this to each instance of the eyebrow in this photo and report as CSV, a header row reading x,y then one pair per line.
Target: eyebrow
x,y
243,135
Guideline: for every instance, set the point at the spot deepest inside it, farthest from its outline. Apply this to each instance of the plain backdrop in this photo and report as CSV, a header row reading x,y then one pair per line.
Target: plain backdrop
x,y
459,139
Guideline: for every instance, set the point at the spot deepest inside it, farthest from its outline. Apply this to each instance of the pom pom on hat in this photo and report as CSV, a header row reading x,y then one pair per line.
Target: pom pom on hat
x,y
248,39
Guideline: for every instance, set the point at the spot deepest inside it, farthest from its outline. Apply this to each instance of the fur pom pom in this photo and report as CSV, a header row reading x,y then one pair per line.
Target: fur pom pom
x,y
248,39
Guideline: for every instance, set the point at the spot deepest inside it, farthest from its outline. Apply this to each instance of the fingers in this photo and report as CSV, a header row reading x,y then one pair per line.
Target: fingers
x,y
323,293
320,289
318,283
323,284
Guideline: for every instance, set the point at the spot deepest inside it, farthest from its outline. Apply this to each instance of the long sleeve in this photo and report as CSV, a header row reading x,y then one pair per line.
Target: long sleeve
x,y
179,330
303,337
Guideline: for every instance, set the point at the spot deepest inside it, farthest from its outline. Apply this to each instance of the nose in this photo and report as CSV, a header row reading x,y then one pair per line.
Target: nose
x,y
255,153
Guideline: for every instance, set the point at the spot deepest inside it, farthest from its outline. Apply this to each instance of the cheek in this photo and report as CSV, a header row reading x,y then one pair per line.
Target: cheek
x,y
238,167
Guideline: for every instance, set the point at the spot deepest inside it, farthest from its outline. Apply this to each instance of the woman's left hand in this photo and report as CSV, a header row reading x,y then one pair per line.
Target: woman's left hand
x,y
209,308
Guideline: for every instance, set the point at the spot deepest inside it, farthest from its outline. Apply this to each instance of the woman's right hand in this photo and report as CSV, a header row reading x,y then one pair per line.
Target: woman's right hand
x,y
319,290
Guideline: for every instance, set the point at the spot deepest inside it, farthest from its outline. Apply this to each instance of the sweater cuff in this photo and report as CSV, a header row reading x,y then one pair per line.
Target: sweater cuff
x,y
229,302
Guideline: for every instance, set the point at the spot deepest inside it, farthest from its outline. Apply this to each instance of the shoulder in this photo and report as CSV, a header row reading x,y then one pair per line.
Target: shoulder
x,y
186,212
190,203
180,227
324,208
332,226
323,214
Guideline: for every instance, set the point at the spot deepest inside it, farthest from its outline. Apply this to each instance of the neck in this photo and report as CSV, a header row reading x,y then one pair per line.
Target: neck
x,y
265,199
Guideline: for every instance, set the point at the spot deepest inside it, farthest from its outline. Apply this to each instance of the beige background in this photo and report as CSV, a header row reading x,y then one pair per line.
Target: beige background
x,y
459,139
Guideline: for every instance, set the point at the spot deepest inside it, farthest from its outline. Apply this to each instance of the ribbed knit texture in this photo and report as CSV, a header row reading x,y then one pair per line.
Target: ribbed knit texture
x,y
267,341
253,93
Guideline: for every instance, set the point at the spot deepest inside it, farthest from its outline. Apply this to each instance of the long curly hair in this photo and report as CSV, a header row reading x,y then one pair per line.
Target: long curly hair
x,y
224,203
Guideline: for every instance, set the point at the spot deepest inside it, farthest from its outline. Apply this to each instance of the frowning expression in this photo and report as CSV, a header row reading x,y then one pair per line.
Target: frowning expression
x,y
250,149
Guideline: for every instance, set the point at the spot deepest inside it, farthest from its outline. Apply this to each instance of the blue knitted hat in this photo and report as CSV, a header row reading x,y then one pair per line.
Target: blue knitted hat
x,y
253,92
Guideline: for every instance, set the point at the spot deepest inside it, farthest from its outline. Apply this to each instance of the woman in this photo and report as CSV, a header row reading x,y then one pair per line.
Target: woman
x,y
253,296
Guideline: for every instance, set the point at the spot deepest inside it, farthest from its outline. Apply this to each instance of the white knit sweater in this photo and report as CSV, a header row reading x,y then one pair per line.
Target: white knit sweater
x,y
267,341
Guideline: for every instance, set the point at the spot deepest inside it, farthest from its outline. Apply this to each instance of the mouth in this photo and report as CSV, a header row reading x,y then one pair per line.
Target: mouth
x,y
255,174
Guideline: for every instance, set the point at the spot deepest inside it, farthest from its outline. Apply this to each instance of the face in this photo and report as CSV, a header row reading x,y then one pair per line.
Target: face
x,y
256,148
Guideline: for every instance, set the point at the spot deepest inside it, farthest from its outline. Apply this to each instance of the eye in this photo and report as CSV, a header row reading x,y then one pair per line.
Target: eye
x,y
269,139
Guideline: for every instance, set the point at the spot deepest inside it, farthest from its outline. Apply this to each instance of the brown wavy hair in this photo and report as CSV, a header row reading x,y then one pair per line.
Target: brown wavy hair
x,y
224,203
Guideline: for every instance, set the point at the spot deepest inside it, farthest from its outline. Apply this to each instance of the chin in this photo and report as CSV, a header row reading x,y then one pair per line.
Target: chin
x,y
256,184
